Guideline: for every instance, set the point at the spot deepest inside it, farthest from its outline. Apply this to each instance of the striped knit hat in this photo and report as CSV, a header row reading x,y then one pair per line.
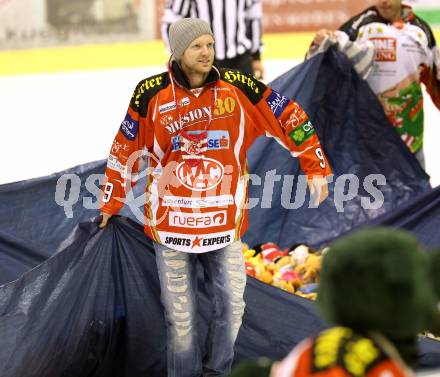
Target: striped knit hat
x,y
183,32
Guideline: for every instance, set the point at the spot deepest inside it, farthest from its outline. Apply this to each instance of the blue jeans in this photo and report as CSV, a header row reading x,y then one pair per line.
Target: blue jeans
x,y
225,278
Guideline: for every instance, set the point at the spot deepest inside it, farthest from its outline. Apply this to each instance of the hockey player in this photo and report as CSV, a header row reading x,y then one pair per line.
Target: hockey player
x,y
405,55
196,122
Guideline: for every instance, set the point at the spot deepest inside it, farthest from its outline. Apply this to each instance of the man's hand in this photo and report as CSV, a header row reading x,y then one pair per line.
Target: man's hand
x,y
320,36
105,218
318,187
257,67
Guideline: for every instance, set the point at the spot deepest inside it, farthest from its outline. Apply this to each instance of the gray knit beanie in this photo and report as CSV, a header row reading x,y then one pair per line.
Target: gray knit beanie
x,y
183,32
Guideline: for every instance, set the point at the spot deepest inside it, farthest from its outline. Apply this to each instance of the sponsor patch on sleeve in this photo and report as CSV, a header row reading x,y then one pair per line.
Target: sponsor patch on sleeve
x,y
114,164
129,127
300,134
277,103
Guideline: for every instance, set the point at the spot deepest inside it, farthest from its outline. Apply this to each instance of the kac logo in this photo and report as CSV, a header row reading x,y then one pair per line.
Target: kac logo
x,y
202,177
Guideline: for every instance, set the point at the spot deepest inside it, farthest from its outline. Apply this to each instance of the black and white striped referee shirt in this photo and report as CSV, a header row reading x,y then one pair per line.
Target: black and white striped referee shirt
x,y
236,24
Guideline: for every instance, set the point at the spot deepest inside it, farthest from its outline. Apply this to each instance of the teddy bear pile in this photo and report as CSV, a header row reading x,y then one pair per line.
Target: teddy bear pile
x,y
293,269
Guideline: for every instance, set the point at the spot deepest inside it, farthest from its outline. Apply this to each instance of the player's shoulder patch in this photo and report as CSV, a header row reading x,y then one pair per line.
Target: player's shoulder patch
x,y
146,89
252,88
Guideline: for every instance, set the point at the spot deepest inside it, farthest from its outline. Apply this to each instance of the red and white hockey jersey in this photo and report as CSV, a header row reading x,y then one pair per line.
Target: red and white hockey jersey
x,y
340,352
196,142
406,55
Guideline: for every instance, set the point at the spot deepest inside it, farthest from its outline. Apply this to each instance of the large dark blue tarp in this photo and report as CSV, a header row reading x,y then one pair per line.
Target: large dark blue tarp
x,y
32,225
80,301
94,310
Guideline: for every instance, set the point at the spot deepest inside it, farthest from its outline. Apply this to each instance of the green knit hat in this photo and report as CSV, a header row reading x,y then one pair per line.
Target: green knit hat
x,y
183,32
378,280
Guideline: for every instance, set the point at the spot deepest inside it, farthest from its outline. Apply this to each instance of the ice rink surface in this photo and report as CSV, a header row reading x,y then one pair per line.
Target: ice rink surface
x,y
51,122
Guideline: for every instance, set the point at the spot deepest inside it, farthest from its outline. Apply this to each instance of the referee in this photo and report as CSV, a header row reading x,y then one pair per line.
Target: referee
x,y
237,28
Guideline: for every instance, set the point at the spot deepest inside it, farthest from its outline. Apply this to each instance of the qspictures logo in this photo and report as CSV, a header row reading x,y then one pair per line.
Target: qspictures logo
x,y
73,189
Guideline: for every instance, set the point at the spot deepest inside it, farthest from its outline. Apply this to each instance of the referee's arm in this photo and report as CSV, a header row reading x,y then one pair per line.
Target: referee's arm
x,y
175,10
